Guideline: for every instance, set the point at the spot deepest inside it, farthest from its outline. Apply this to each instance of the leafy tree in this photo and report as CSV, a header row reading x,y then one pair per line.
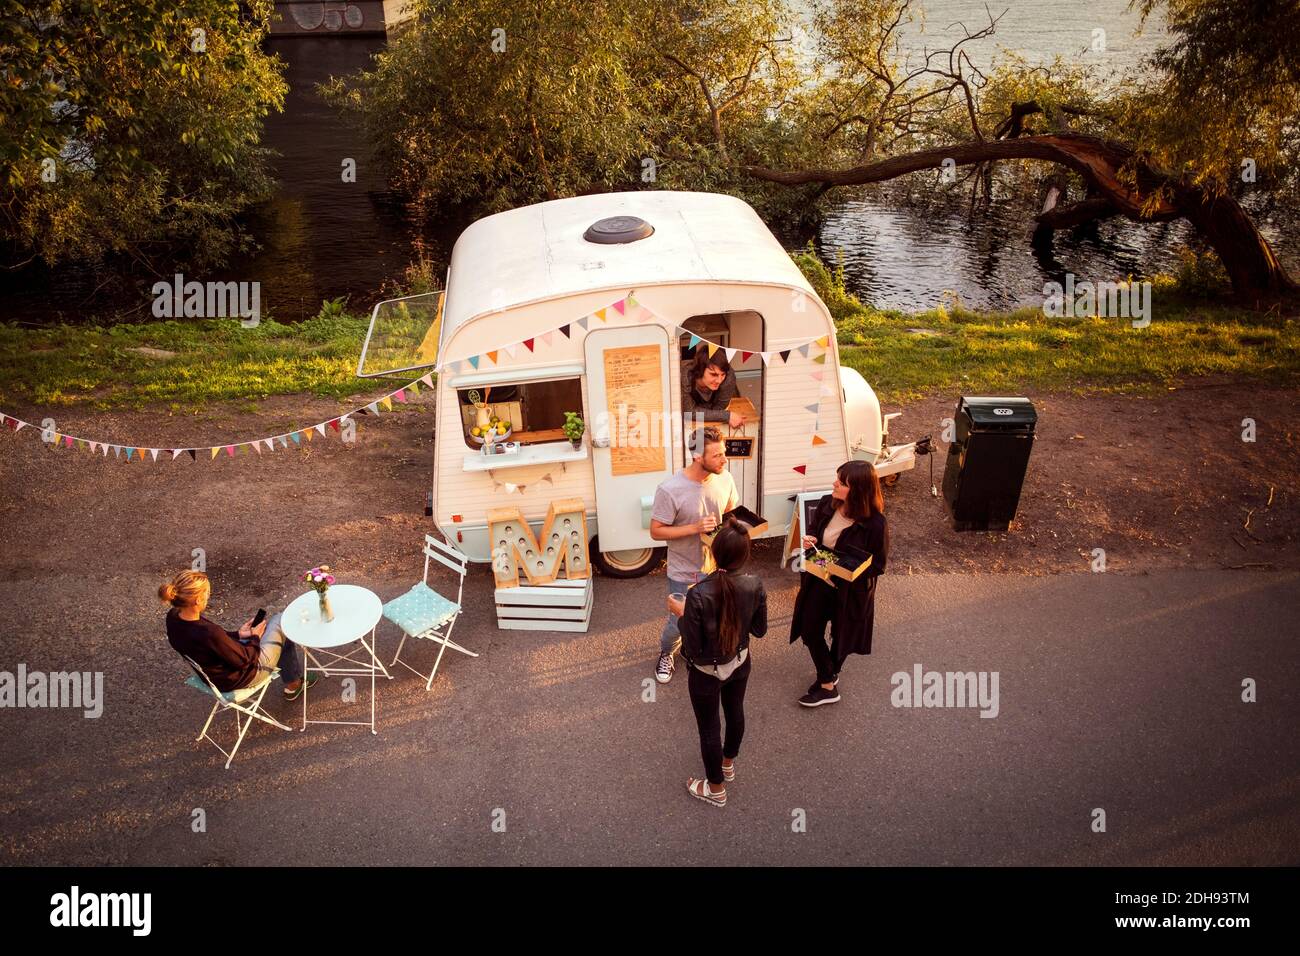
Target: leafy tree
x,y
1167,145
129,129
494,104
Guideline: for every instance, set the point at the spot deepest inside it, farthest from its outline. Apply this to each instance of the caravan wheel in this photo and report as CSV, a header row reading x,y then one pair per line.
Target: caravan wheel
x,y
625,564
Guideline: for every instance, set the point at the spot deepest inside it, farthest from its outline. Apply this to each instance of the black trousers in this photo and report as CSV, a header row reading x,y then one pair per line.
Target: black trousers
x,y
816,612
706,694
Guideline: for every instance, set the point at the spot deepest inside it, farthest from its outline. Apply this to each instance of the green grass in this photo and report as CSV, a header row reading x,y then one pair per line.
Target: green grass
x,y
220,361
1008,352
216,360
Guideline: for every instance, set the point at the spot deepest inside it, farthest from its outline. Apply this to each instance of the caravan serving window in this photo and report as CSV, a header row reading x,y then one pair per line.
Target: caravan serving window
x,y
532,412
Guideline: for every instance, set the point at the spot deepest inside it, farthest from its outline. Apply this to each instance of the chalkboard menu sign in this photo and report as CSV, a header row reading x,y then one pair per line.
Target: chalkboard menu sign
x,y
739,447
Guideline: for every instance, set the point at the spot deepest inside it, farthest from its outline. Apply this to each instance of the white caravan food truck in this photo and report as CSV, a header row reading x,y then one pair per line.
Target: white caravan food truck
x,y
590,305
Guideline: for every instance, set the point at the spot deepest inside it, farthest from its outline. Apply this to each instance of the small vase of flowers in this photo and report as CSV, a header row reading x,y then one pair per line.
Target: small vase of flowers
x,y
319,580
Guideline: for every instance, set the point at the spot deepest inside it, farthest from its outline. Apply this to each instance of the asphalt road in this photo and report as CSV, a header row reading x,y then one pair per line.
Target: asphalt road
x,y
1118,692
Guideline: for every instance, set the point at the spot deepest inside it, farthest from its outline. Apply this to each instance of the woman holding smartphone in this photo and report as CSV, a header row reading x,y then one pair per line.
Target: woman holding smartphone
x,y
718,616
231,659
850,519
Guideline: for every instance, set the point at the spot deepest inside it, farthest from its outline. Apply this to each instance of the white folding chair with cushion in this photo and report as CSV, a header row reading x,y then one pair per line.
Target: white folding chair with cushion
x,y
425,614
246,702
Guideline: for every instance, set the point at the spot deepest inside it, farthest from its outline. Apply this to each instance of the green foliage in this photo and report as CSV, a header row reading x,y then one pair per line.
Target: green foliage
x,y
495,104
148,112
574,426
1224,89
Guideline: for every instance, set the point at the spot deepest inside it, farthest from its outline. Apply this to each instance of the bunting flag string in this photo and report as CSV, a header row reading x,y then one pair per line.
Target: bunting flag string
x,y
510,487
137,452
629,307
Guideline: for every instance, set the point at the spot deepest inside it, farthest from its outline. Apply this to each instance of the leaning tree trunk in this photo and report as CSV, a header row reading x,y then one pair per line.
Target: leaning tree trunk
x,y
1258,278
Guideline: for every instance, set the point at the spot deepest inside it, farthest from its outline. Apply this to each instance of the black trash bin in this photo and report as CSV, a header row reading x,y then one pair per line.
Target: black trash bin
x,y
987,461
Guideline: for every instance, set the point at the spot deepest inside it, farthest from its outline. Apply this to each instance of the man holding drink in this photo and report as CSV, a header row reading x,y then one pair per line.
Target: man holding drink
x,y
687,505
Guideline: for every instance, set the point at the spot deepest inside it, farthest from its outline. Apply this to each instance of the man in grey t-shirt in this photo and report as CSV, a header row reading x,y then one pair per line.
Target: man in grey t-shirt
x,y
690,502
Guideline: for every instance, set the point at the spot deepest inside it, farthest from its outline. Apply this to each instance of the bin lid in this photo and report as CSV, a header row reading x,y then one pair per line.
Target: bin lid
x,y
999,410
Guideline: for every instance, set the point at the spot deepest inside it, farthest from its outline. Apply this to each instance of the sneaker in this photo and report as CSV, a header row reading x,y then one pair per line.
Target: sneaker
x,y
308,682
664,669
835,682
818,696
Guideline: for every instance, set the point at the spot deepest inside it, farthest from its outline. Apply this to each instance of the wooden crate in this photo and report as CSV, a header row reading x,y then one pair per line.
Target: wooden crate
x,y
562,606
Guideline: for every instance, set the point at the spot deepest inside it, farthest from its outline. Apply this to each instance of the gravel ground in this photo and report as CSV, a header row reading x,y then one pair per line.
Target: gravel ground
x,y
1164,484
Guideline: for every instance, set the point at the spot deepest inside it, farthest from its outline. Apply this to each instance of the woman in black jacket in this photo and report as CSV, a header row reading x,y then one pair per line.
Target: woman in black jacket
x,y
851,520
717,618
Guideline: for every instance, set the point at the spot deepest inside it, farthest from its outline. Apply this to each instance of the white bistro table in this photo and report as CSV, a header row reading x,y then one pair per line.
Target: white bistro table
x,y
356,614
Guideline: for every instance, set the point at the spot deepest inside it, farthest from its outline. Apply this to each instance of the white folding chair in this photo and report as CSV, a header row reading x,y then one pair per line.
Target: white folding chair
x,y
425,614
246,702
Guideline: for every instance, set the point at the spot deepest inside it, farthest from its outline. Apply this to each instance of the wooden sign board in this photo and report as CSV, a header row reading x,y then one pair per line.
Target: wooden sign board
x,y
562,546
634,395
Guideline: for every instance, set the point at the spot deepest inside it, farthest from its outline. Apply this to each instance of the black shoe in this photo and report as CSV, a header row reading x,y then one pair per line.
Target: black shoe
x,y
818,695
835,681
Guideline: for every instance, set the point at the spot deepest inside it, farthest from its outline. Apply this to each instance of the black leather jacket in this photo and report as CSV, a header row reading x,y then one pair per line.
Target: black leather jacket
x,y
699,623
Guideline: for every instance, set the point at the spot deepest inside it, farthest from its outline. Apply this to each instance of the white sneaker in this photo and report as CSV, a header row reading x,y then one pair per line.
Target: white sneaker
x,y
664,669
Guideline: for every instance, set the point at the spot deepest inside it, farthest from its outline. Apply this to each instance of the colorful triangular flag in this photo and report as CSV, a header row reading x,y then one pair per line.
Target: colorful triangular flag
x,y
473,360
818,440
564,330
802,469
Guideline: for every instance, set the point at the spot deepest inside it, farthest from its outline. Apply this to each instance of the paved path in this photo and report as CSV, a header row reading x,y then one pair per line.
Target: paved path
x,y
1114,692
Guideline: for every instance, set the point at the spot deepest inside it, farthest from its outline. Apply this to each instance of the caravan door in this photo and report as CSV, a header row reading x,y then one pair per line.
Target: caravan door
x,y
630,422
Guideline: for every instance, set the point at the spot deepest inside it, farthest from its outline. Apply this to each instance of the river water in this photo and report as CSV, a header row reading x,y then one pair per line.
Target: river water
x,y
323,238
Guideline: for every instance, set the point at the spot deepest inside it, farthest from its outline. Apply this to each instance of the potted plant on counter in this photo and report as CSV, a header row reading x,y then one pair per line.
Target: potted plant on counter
x,y
574,427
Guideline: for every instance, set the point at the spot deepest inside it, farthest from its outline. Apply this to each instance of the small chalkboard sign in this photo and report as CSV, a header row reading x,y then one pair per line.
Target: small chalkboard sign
x,y
739,447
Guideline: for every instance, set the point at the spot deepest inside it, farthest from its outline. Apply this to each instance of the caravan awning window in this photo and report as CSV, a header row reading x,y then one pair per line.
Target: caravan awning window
x,y
403,335
531,411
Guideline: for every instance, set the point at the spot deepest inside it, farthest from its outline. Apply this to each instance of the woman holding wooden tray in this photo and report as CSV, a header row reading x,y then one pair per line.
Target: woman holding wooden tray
x,y
850,521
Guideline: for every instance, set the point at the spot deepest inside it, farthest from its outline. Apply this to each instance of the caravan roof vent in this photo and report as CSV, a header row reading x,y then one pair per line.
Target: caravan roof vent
x,y
617,229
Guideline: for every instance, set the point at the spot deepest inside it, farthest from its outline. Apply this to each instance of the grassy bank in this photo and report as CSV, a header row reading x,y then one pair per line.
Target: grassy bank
x,y
210,360
949,349
956,349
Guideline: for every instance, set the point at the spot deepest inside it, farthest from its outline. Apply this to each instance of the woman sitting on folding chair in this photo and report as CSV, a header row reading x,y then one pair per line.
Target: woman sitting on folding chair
x,y
230,659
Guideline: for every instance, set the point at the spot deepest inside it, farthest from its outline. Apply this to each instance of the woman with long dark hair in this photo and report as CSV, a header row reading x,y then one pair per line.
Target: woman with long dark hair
x,y
850,520
717,618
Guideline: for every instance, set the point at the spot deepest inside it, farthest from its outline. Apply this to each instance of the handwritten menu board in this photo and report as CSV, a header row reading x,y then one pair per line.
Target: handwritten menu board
x,y
634,389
